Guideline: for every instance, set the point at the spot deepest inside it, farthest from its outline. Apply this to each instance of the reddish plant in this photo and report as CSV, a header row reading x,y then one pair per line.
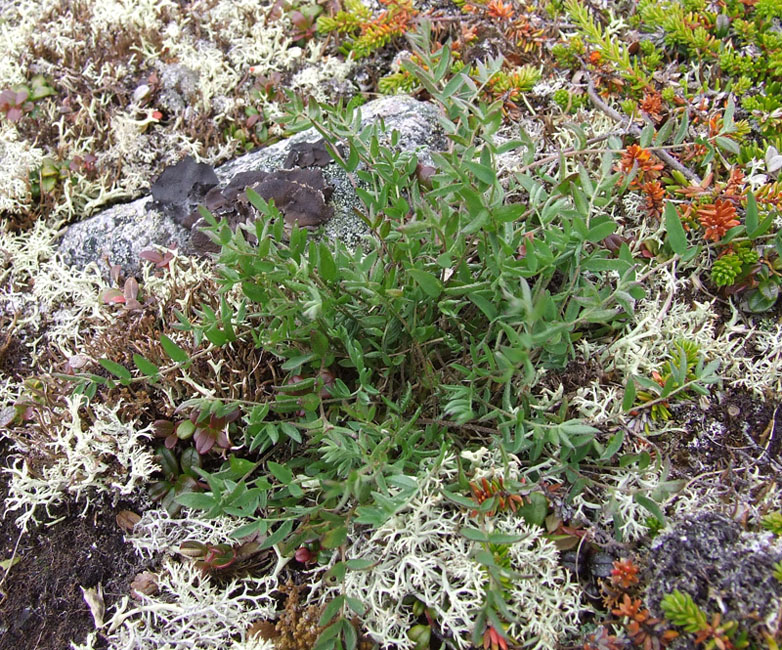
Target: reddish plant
x,y
128,297
637,158
652,105
717,218
642,628
600,639
14,104
654,193
160,261
495,487
207,431
209,557
624,574
493,640
499,10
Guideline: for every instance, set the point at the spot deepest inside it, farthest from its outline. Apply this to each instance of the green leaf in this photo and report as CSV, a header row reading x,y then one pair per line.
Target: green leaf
x,y
484,304
327,267
601,231
428,282
349,633
353,159
196,501
442,64
335,537
7,564
614,445
117,370
646,136
509,212
728,125
459,499
727,144
176,353
684,126
535,511
254,527
751,218
330,610
278,535
147,367
482,173
474,534
651,506
280,472
664,132
296,362
359,564
673,225
630,394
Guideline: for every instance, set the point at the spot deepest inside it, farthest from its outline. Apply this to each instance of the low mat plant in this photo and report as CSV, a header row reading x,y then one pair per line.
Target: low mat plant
x,y
682,611
429,337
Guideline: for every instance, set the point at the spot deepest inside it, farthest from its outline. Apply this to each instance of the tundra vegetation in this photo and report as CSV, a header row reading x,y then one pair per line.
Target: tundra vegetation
x,y
555,353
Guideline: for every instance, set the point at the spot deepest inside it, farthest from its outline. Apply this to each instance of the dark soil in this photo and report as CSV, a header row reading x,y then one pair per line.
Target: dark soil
x,y
41,603
737,429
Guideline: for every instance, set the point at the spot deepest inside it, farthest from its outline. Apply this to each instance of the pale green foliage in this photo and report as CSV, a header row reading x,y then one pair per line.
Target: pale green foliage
x,y
773,522
680,609
434,332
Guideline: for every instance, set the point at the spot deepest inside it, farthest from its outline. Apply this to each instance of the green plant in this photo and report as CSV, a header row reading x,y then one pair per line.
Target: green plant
x,y
432,335
778,570
773,522
685,371
682,611
179,477
374,32
569,102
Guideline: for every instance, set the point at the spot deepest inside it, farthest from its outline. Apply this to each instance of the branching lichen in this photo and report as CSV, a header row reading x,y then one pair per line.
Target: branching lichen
x,y
420,552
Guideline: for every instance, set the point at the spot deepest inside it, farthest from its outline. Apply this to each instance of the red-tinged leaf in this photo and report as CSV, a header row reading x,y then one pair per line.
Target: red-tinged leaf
x,y
113,296
131,289
163,428
151,256
203,441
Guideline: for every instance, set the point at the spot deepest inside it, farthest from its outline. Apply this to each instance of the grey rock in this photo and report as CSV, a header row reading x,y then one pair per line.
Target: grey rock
x,y
122,231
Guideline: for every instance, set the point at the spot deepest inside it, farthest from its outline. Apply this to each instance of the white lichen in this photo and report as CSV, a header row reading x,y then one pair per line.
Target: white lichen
x,y
82,457
192,612
421,552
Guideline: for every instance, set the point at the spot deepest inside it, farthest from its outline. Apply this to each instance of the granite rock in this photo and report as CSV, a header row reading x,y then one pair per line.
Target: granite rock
x,y
122,231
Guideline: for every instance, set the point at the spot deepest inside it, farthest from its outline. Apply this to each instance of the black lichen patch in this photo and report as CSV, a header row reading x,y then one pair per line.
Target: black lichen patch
x,y
308,154
737,428
723,568
301,195
182,187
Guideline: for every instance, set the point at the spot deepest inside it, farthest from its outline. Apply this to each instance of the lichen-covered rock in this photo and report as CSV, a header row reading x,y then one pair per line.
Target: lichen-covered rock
x,y
123,231
724,568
